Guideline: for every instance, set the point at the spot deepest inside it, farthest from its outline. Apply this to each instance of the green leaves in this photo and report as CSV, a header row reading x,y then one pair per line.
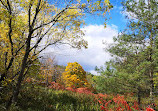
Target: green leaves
x,y
134,52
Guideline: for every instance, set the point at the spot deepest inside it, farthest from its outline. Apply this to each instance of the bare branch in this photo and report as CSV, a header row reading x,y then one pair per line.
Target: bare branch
x,y
67,44
46,47
39,40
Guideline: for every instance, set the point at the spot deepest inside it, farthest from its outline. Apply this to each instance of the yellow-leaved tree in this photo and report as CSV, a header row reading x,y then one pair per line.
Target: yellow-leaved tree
x,y
74,76
27,27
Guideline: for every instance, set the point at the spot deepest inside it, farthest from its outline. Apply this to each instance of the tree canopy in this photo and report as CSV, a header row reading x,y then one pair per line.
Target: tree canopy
x,y
134,51
27,27
74,76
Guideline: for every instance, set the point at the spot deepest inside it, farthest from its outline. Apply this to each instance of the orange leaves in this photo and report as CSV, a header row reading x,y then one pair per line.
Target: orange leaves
x,y
84,90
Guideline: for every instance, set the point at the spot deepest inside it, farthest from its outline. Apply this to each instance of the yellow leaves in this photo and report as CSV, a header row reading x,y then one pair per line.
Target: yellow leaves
x,y
105,25
72,12
107,2
155,79
6,82
74,75
66,26
85,83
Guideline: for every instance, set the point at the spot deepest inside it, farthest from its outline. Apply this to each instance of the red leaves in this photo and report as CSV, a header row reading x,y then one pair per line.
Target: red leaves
x,y
102,95
136,106
102,107
99,101
56,86
149,109
107,102
83,90
70,89
118,103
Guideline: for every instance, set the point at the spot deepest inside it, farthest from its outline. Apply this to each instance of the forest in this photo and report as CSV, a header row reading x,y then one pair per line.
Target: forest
x,y
31,80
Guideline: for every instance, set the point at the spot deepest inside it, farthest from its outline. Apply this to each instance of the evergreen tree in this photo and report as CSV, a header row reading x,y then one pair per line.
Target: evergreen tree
x,y
135,50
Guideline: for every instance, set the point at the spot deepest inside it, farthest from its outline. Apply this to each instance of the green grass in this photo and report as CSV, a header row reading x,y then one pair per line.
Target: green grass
x,y
43,99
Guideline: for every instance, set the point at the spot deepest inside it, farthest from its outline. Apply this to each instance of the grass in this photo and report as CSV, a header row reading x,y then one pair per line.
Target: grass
x,y
43,99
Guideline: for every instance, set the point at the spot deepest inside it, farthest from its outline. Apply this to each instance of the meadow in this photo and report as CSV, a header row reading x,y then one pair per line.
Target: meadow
x,y
57,98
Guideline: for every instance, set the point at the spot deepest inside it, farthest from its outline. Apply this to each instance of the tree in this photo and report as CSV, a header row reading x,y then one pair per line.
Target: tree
x,y
135,49
74,76
29,27
108,81
48,70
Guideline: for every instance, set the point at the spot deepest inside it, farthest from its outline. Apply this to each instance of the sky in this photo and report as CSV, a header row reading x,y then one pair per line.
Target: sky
x,y
95,34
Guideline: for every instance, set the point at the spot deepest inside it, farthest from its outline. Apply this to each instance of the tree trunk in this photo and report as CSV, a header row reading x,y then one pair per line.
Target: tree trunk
x,y
151,60
18,85
6,70
139,97
21,74
151,88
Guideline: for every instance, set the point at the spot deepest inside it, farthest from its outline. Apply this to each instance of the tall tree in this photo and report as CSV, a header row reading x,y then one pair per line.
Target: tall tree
x,y
135,49
30,26
135,63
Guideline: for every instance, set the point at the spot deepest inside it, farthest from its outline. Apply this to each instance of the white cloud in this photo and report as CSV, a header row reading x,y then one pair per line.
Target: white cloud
x,y
129,15
95,54
93,72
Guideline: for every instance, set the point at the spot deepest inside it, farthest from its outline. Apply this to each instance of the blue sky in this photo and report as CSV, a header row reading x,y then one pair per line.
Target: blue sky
x,y
95,34
115,16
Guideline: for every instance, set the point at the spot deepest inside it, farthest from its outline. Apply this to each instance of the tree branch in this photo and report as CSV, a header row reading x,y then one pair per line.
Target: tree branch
x,y
55,19
37,11
4,5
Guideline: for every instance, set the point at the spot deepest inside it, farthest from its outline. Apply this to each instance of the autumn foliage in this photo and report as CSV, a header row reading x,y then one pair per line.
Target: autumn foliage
x,y
119,103
74,76
106,102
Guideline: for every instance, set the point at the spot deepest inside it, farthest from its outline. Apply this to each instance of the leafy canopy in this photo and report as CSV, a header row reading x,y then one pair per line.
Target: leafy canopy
x,y
74,75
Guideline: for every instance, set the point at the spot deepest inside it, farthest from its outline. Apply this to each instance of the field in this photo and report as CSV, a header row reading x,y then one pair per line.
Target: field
x,y
81,99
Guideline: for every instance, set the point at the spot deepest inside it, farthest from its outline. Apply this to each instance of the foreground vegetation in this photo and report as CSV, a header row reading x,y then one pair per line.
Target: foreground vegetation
x,y
44,99
39,98
29,83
